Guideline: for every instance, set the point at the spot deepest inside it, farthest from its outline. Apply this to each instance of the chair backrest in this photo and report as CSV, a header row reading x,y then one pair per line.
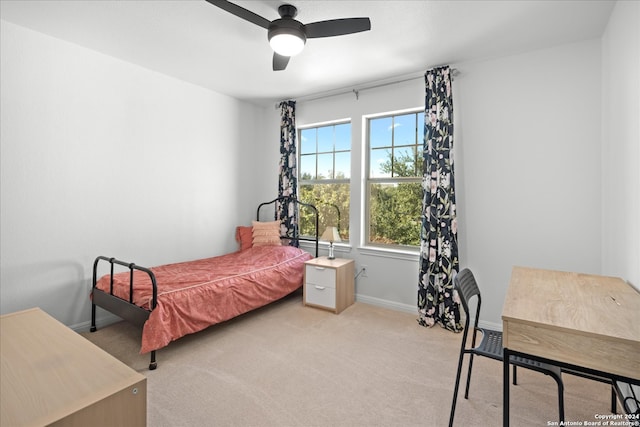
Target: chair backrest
x,y
467,287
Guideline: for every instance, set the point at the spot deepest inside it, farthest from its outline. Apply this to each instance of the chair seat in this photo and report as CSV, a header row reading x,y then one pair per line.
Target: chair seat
x,y
490,345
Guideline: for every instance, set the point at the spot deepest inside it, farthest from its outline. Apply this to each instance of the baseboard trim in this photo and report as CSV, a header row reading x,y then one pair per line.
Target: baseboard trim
x,y
101,322
387,304
490,325
407,308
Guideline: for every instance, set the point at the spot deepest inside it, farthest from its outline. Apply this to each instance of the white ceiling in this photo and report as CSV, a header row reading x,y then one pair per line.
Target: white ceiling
x,y
200,43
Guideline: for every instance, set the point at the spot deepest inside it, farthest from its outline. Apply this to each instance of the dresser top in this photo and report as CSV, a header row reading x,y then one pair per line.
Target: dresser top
x,y
323,261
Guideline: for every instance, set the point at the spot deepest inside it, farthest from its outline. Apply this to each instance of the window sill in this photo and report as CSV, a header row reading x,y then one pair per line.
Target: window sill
x,y
339,248
409,255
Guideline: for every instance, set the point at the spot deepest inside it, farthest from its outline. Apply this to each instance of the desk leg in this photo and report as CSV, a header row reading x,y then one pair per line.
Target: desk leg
x,y
505,387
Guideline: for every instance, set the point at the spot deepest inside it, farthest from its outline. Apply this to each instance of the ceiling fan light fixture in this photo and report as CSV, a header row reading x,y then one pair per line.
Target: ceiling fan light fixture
x,y
286,44
287,38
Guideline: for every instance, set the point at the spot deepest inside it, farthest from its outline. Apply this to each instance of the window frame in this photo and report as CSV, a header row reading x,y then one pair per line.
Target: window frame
x,y
367,180
344,181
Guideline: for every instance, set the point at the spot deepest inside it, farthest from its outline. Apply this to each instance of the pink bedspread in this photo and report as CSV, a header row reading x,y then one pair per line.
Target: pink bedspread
x,y
196,294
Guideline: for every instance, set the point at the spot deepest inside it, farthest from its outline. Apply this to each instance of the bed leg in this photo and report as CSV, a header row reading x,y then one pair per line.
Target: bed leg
x,y
153,365
93,318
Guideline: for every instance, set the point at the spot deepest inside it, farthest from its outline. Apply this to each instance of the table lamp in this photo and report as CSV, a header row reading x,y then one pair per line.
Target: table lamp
x,y
331,235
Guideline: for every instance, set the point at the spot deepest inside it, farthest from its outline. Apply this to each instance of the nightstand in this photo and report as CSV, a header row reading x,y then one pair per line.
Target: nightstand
x,y
329,283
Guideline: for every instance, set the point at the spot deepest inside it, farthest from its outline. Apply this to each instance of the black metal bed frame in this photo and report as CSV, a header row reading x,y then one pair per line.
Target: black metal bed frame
x,y
285,200
136,315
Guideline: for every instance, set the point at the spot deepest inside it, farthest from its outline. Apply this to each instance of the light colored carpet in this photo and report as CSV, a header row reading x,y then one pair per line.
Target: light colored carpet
x,y
290,365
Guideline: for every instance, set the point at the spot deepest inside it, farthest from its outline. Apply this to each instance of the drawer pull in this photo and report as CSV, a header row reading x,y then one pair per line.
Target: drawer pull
x,y
319,268
320,288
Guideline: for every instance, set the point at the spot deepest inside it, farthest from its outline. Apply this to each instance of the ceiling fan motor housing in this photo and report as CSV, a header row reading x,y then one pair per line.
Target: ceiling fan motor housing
x,y
287,26
287,36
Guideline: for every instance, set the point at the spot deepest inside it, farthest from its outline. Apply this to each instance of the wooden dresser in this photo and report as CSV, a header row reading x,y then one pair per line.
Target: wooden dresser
x,y
50,375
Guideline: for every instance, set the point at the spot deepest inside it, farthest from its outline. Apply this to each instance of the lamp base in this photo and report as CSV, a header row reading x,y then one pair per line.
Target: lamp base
x,y
331,255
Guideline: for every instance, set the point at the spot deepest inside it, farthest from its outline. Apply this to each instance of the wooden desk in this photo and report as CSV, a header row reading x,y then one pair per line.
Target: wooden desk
x,y
577,321
50,375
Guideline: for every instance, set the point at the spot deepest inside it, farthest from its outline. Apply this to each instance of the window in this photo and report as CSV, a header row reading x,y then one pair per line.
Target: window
x,y
324,176
394,179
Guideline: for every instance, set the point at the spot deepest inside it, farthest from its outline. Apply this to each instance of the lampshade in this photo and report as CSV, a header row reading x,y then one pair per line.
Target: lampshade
x,y
331,235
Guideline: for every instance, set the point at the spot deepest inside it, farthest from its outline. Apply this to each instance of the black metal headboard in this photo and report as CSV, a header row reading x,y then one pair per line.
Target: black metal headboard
x,y
298,205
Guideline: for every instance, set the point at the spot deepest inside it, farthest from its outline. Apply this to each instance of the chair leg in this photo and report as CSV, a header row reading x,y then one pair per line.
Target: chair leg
x,y
614,405
455,390
466,390
515,378
560,399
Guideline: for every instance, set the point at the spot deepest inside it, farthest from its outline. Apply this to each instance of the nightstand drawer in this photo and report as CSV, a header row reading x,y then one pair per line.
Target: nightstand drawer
x,y
322,276
320,295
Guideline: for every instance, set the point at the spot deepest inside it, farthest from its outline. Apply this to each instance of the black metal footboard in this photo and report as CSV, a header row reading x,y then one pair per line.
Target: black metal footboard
x,y
118,306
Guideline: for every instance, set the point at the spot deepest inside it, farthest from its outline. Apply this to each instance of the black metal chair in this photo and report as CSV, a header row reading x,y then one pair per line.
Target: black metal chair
x,y
491,345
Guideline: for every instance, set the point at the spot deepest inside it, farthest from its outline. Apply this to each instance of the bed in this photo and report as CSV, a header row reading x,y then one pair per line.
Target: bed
x,y
171,301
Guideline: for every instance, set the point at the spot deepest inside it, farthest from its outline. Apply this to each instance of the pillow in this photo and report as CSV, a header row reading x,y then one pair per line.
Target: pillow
x,y
266,233
244,236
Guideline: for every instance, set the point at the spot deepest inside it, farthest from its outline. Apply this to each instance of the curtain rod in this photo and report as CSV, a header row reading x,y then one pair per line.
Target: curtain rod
x,y
454,72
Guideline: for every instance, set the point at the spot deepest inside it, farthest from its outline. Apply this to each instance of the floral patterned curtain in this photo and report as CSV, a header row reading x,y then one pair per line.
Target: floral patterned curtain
x,y
288,179
439,241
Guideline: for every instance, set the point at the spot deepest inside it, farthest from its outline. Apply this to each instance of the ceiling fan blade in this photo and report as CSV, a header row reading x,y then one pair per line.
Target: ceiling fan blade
x,y
337,27
241,12
280,62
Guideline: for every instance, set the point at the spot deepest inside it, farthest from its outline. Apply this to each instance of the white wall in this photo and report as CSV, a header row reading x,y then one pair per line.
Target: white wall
x,y
264,158
527,135
529,170
102,157
621,143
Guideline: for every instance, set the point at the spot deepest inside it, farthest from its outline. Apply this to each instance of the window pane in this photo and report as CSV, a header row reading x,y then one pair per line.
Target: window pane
x,y
325,166
343,137
404,130
325,139
343,165
405,162
332,202
307,141
380,132
328,158
308,166
380,163
395,213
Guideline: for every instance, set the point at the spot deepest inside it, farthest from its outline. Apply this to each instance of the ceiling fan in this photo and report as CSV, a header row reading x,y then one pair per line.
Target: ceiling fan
x,y
288,36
